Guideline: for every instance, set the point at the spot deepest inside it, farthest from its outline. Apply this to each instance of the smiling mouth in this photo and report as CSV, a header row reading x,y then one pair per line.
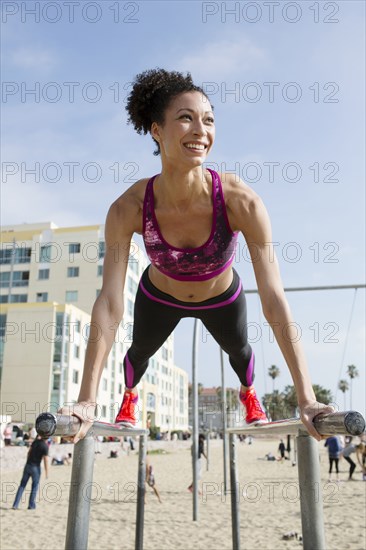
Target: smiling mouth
x,y
197,147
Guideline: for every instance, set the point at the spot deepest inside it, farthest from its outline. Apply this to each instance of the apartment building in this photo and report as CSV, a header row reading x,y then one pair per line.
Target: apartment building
x,y
49,280
210,408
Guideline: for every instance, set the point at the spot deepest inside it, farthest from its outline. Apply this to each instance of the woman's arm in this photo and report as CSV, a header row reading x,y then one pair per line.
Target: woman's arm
x,y
107,310
251,218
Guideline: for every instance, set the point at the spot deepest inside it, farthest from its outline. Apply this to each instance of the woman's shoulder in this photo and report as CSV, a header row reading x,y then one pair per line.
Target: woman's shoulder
x,y
234,187
129,206
240,198
132,199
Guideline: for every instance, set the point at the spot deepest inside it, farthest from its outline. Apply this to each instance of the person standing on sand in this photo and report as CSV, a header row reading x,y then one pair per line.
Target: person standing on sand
x,y
32,469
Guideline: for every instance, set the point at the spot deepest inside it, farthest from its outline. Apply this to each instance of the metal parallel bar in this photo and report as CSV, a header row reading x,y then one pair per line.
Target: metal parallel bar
x,y
48,424
80,495
235,520
347,423
309,288
195,426
140,509
307,456
311,498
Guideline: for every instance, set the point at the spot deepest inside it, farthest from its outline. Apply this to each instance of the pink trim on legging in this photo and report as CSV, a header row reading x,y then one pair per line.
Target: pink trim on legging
x,y
250,369
211,306
130,373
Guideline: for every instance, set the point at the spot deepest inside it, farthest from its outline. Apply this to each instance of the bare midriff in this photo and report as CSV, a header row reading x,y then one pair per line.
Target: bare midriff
x,y
191,291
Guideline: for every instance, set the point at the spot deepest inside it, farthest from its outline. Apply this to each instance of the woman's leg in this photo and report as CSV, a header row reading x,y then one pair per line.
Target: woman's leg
x,y
227,322
153,323
25,477
228,326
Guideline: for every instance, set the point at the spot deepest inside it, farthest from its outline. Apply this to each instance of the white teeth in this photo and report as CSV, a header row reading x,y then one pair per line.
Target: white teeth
x,y
195,146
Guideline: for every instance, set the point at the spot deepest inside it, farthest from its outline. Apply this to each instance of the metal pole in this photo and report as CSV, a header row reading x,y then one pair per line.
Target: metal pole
x,y
309,288
80,495
224,420
140,509
235,521
195,421
311,499
208,450
295,451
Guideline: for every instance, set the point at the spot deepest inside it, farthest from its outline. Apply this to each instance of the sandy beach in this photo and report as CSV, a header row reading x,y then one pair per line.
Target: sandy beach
x,y
269,502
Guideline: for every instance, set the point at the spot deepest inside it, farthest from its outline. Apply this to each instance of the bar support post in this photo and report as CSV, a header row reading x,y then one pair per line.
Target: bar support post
x,y
80,495
140,509
234,485
195,427
311,497
224,419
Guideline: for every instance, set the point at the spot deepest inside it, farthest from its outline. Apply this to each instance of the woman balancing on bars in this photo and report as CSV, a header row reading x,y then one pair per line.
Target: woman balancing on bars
x,y
190,218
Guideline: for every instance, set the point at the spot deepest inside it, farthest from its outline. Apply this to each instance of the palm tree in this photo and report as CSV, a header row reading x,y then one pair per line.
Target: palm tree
x,y
343,386
323,395
352,373
273,372
273,405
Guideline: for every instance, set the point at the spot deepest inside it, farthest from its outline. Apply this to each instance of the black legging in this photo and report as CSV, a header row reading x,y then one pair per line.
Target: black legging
x,y
352,465
157,314
336,461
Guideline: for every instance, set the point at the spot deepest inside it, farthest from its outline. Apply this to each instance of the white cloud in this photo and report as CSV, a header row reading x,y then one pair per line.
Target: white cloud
x,y
227,57
33,58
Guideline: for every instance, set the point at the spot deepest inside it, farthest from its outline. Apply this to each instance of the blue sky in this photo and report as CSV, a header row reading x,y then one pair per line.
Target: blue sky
x,y
288,90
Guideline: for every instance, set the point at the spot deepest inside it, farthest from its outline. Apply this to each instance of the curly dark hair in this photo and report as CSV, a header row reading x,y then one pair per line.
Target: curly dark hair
x,y
151,94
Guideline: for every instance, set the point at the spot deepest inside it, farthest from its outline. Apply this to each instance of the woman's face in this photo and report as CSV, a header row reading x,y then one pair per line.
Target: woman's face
x,y
188,132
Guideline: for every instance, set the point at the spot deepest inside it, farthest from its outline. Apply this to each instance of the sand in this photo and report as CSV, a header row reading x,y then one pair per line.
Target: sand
x,y
269,502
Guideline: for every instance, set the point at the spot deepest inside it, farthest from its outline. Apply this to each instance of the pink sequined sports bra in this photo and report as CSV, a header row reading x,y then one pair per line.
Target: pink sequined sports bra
x,y
190,264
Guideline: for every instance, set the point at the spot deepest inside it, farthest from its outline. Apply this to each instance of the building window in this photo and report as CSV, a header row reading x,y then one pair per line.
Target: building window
x,y
130,306
20,278
71,296
4,299
5,256
74,248
75,376
150,402
101,249
56,381
77,326
43,274
105,384
5,279
120,368
164,353
100,271
41,296
132,285
18,298
2,325
120,388
129,332
45,253
15,255
23,255
76,351
133,264
104,410
73,272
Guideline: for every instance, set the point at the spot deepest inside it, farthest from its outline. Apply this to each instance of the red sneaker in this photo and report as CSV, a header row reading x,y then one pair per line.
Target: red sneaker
x,y
254,411
128,413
